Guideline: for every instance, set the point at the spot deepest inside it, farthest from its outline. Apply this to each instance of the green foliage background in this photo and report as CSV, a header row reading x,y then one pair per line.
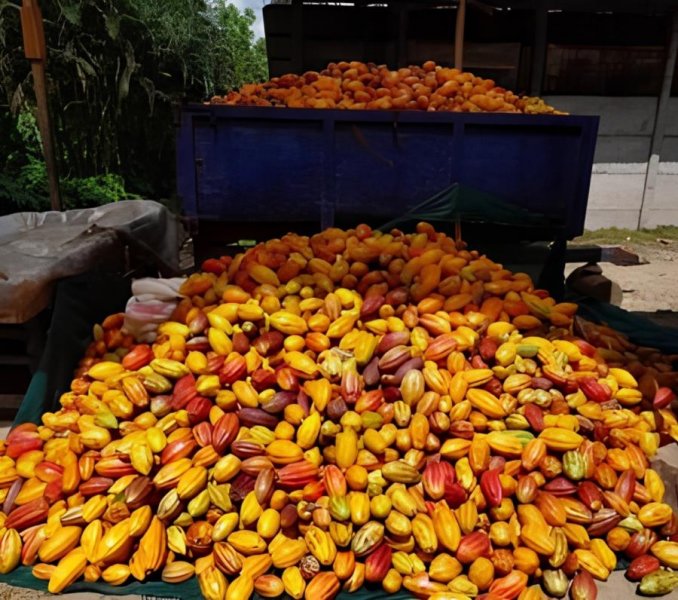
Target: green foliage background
x,y
116,71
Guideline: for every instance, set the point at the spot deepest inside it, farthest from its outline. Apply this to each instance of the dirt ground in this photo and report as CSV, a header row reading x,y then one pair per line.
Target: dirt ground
x,y
652,286
8,592
649,288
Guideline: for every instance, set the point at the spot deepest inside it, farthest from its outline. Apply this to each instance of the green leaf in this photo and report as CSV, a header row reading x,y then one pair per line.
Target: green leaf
x,y
115,68
112,25
72,12
87,68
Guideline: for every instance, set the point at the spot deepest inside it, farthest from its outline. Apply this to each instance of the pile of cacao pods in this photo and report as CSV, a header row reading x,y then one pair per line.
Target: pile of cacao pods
x,y
352,409
360,86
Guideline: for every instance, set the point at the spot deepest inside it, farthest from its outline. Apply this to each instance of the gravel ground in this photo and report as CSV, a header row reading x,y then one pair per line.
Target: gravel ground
x,y
652,286
7,592
649,289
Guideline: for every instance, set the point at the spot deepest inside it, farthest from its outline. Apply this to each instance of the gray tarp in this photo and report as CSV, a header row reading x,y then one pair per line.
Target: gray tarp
x,y
37,249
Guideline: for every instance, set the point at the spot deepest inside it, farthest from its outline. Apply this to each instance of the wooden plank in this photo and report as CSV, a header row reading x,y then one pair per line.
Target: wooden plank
x,y
14,359
46,133
459,35
402,16
13,332
593,253
9,405
539,49
297,37
35,50
11,401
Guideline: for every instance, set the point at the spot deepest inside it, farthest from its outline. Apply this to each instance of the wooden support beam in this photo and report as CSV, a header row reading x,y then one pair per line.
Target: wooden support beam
x,y
403,17
459,35
297,65
46,133
486,8
36,51
539,49
659,127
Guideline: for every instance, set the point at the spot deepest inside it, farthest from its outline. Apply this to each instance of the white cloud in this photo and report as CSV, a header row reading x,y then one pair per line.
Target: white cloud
x,y
257,6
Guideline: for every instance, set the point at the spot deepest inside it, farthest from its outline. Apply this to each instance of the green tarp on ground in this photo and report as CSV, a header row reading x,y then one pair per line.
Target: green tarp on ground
x,y
640,331
79,303
188,590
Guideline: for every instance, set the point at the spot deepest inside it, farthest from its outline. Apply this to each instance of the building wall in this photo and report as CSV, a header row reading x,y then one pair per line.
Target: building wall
x,y
622,151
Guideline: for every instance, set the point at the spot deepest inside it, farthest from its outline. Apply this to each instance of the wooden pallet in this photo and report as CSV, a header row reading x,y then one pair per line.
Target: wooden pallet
x,y
20,350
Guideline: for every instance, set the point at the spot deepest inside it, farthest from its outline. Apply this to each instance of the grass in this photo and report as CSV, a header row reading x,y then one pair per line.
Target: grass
x,y
614,235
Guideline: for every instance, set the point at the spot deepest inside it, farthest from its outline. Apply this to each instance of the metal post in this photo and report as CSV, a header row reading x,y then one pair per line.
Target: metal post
x,y
659,127
36,52
459,35
539,49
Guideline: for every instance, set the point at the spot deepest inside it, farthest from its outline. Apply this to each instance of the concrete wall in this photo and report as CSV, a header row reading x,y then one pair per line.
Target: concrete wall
x,y
622,151
617,191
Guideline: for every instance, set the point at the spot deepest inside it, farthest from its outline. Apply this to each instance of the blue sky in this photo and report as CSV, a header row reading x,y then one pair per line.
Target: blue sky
x,y
256,6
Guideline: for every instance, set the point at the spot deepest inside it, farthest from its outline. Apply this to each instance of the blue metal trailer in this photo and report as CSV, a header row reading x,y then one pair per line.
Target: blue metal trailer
x,y
266,166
